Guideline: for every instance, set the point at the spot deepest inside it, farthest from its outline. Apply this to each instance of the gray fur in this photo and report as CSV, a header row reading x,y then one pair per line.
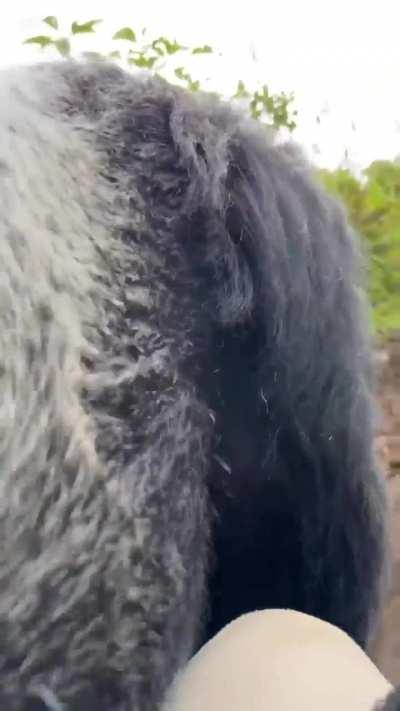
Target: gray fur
x,y
147,239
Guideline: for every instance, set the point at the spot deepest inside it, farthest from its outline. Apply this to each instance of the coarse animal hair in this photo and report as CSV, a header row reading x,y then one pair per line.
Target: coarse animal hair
x,y
186,407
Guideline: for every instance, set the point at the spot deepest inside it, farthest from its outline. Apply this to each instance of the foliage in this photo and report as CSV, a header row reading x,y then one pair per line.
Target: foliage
x,y
373,204
159,55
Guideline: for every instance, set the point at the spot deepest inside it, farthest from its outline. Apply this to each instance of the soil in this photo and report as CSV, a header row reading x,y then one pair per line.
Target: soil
x,y
386,649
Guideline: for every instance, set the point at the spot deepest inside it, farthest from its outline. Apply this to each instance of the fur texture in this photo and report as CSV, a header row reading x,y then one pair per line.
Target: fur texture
x,y
186,416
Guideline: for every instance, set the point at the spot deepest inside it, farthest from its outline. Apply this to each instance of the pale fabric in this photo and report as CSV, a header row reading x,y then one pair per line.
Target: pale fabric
x,y
279,660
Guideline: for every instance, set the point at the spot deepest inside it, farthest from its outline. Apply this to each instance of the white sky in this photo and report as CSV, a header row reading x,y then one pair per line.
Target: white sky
x,y
340,57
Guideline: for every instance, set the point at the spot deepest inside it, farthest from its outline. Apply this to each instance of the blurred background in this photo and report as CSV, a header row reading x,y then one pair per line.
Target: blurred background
x,y
324,74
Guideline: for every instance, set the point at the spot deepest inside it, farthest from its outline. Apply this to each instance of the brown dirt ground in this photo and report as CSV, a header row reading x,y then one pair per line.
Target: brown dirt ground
x,y
386,649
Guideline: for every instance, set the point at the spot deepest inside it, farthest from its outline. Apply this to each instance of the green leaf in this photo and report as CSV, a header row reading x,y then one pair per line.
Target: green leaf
x,y
51,21
63,46
114,55
84,27
241,91
206,49
125,33
41,40
183,75
256,113
142,61
180,73
162,46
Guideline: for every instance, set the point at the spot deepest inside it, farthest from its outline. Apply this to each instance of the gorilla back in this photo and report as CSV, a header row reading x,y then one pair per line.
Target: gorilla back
x,y
186,416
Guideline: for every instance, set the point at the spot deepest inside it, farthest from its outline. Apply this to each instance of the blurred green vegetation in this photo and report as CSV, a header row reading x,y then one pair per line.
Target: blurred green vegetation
x,y
373,205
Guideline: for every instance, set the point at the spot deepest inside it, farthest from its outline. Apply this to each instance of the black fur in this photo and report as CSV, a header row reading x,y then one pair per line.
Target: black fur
x,y
186,417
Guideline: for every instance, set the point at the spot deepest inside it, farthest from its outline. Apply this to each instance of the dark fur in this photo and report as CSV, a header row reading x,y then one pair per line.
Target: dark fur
x,y
186,416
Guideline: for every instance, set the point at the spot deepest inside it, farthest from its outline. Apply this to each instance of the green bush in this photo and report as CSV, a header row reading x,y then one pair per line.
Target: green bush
x,y
373,204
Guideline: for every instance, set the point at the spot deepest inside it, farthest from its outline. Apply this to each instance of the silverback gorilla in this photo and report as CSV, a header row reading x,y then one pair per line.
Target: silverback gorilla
x,y
186,407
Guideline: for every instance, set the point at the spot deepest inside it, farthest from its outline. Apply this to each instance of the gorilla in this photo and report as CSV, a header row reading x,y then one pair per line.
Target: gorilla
x,y
187,388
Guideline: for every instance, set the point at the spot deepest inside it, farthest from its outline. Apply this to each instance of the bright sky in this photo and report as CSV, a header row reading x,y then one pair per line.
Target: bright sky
x,y
341,58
